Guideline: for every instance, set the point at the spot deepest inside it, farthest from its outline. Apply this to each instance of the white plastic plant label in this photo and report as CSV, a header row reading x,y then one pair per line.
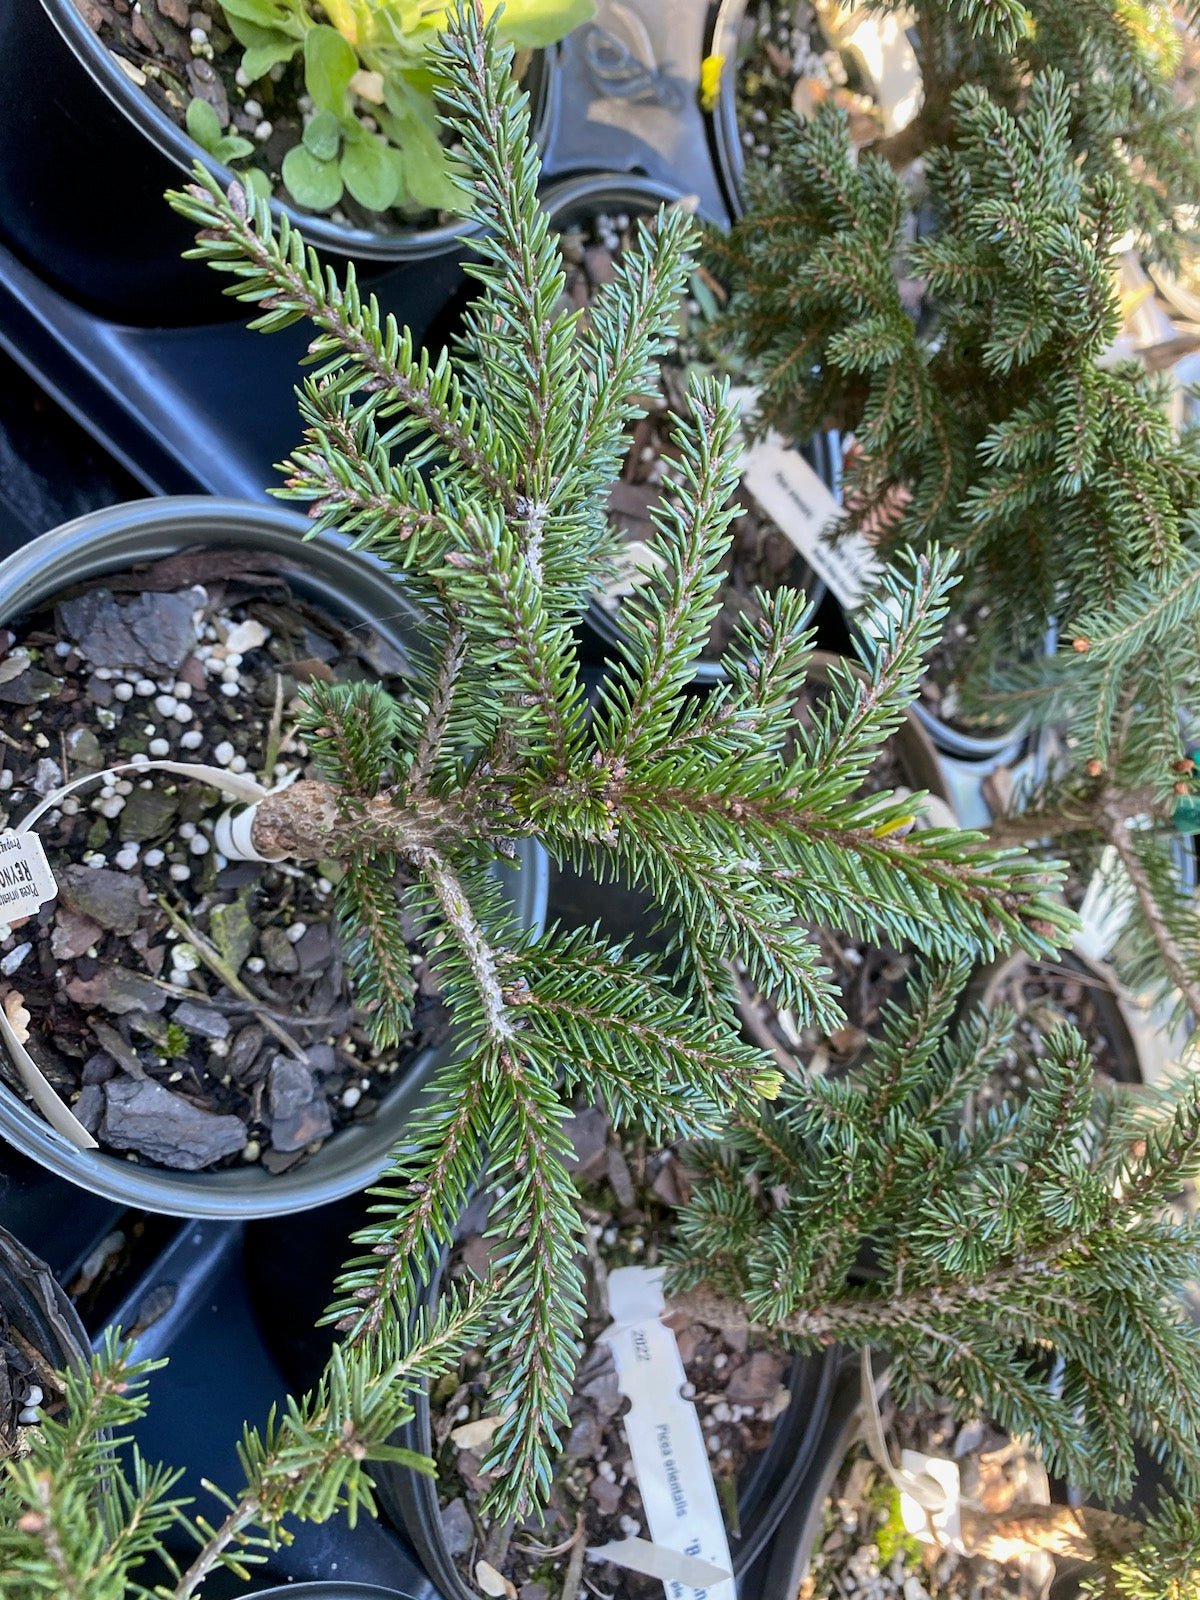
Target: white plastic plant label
x,y
633,565
1105,909
26,881
805,508
929,1487
794,496
924,1518
679,1497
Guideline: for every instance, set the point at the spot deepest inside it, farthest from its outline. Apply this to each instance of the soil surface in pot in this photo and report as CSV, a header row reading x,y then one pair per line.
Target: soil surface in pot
x,y
178,51
29,1389
193,1011
867,975
865,1549
784,63
760,555
629,1195
1045,995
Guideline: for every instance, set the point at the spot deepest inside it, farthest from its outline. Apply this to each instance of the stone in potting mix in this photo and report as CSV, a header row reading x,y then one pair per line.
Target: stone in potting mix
x,y
165,1128
300,1115
118,991
73,934
113,900
152,631
201,1020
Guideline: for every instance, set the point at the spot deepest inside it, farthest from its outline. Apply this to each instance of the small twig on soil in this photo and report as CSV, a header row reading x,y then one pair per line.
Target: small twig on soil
x,y
599,1273
221,969
573,1576
274,736
498,1540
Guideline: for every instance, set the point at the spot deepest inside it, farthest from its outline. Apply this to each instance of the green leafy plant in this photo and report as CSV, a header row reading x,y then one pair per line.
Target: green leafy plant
x,y
204,126
373,60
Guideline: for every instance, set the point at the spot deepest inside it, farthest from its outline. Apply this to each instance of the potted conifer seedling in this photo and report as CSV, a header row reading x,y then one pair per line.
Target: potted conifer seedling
x,y
995,423
745,825
181,1029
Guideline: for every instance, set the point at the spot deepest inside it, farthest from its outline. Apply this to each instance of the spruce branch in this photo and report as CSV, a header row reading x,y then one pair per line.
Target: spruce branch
x,y
1181,971
1043,1229
356,348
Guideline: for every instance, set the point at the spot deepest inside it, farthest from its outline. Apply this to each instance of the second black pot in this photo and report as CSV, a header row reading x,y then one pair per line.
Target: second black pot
x,y
35,1305
769,1486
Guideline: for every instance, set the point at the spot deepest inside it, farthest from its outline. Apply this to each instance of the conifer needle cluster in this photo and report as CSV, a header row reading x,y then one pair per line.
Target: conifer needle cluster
x,y
482,481
957,315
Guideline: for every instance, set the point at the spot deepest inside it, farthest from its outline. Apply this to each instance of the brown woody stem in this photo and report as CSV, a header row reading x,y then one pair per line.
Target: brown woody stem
x,y
1081,1533
314,821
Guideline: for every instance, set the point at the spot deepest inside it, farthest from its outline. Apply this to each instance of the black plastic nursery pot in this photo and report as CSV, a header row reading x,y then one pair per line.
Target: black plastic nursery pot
x,y
86,157
577,200
1005,742
361,592
786,1563
724,135
764,1495
34,1306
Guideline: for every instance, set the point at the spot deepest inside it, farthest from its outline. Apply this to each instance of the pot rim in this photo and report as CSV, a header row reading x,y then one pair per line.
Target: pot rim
x,y
330,1589
791,1553
173,142
983,988
18,1261
111,540
721,121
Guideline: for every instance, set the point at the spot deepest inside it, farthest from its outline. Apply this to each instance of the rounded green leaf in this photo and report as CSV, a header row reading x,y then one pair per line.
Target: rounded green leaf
x,y
317,185
329,64
370,173
534,24
203,124
322,135
232,147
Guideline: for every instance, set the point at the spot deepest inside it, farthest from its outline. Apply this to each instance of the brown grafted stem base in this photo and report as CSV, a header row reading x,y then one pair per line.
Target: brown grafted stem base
x,y
314,821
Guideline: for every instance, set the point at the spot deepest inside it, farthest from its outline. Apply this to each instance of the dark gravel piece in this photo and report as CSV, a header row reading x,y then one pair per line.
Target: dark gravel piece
x,y
165,1128
151,631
